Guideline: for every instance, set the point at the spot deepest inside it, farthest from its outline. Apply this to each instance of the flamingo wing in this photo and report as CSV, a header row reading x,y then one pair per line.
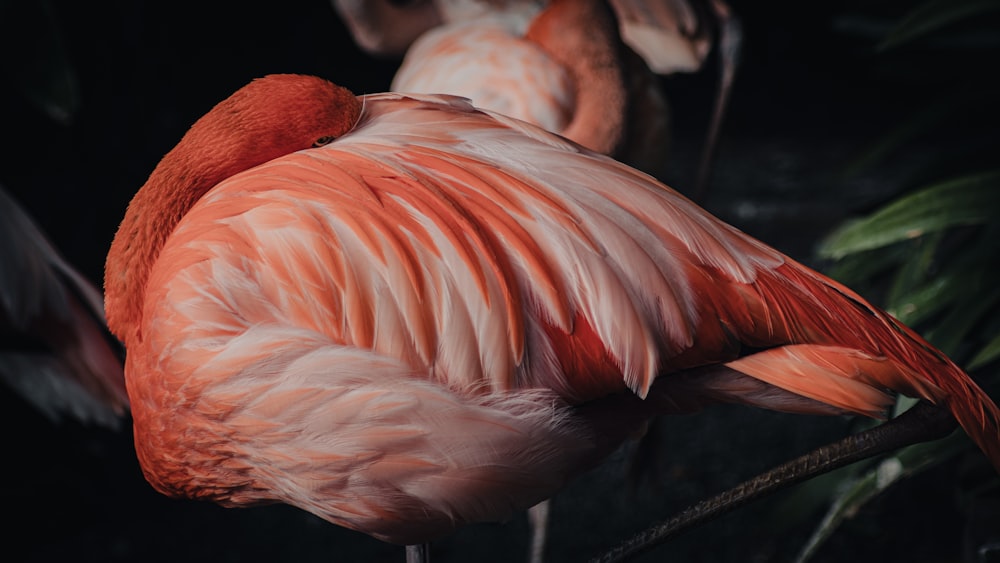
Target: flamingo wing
x,y
433,320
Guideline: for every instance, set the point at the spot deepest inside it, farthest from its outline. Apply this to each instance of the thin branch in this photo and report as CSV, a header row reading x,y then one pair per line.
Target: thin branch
x,y
923,422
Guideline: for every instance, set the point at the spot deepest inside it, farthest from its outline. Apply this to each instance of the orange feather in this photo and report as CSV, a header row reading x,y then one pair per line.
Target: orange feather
x,y
436,318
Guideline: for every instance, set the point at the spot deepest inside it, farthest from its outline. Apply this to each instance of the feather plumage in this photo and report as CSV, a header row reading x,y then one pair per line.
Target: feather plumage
x,y
433,320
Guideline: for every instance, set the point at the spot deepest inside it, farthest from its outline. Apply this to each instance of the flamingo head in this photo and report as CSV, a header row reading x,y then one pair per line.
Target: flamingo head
x,y
270,117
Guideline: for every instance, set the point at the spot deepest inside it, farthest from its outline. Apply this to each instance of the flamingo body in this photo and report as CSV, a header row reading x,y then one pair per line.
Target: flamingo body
x,y
561,66
670,35
488,61
444,314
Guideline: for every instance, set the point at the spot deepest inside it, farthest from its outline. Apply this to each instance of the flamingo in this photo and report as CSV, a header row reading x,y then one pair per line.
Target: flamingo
x,y
57,352
404,314
585,69
562,66
580,68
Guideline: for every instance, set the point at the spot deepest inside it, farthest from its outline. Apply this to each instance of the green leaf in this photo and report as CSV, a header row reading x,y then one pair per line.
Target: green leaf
x,y
860,489
923,302
948,334
934,15
989,353
963,201
863,267
954,284
958,290
910,286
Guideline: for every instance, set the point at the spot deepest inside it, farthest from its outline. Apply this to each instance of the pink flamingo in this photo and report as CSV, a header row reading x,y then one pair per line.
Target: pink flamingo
x,y
404,314
586,69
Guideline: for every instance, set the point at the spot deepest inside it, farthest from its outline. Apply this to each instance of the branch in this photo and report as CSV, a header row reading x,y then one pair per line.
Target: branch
x,y
923,422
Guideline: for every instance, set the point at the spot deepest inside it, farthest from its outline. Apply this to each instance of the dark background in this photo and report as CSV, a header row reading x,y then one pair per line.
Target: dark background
x,y
811,95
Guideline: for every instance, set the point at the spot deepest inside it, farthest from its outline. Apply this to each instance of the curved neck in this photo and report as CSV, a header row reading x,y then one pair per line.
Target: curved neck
x,y
269,117
582,35
171,190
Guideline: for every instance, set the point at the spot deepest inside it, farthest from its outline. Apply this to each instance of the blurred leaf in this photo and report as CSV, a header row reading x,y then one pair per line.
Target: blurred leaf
x,y
932,16
987,354
910,294
953,329
963,201
945,289
932,253
905,463
957,288
854,269
923,302
807,498
35,60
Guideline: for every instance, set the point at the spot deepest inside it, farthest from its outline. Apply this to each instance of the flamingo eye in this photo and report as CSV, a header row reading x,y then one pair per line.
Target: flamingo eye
x,y
324,140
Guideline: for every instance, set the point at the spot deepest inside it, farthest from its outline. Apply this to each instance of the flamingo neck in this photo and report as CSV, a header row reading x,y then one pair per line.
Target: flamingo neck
x,y
171,190
269,117
582,35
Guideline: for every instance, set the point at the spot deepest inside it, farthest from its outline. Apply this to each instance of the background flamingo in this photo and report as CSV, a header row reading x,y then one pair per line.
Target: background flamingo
x,y
57,354
570,67
808,99
449,313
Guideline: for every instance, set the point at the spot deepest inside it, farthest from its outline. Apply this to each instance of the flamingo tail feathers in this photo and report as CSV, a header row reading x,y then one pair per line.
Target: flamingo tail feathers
x,y
852,345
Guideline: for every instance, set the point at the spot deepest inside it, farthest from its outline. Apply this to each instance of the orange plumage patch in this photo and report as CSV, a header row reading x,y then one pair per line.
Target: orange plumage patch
x,y
591,372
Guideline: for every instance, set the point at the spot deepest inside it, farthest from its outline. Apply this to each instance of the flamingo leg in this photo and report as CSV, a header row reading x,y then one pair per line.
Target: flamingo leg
x,y
418,553
538,518
730,45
